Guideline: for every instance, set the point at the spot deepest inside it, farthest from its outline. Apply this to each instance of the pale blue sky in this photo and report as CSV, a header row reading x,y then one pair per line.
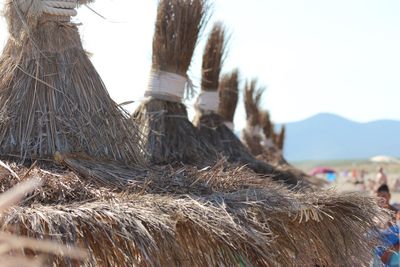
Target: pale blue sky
x,y
314,56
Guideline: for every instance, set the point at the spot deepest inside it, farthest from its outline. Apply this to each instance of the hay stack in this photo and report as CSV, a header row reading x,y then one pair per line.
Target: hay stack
x,y
168,134
51,97
217,218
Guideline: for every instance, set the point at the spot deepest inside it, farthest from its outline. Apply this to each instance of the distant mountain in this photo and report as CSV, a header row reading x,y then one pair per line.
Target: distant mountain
x,y
331,137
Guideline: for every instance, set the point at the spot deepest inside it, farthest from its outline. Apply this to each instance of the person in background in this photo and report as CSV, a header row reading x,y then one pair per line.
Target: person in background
x,y
397,185
381,177
389,251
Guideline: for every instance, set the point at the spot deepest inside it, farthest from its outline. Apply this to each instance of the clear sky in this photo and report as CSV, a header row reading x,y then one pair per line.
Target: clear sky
x,y
314,56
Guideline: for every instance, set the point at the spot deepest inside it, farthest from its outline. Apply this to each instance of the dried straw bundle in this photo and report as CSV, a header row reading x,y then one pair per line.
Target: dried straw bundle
x,y
213,58
168,134
51,97
229,95
209,122
269,141
271,145
252,133
240,219
259,137
280,140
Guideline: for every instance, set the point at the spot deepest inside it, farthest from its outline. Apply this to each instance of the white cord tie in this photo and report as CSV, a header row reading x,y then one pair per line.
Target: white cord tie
x,y
268,143
60,7
166,86
208,101
230,125
253,130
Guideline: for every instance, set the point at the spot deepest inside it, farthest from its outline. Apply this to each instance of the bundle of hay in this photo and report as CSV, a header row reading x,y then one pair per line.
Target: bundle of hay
x,y
211,125
261,139
229,97
168,134
220,217
51,97
251,134
280,139
271,142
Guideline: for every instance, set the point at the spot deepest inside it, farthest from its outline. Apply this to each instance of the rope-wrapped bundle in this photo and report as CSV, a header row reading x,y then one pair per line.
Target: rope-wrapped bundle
x,y
169,136
51,97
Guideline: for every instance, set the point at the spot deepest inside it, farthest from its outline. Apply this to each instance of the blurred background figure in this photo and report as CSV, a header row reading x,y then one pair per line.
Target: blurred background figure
x,y
381,178
388,254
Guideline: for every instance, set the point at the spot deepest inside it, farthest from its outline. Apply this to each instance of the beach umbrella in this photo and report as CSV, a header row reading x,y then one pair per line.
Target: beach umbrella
x,y
322,170
384,159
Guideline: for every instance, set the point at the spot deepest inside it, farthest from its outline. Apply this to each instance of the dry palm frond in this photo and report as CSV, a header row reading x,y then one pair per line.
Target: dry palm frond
x,y
168,134
51,97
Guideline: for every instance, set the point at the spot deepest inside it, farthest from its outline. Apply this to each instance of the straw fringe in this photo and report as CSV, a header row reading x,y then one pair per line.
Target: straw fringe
x,y
260,227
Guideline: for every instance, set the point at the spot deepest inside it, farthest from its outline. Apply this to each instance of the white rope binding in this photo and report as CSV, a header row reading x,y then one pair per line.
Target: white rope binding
x,y
253,131
230,125
60,7
208,101
166,86
268,143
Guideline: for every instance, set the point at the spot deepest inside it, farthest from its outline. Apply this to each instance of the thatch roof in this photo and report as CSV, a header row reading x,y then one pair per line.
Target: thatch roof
x,y
13,245
51,97
235,217
169,136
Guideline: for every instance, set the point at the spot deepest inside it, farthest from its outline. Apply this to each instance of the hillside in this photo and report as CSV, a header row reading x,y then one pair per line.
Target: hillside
x,y
331,137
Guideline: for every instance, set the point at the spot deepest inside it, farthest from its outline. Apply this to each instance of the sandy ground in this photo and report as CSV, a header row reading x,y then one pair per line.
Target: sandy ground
x,y
346,170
